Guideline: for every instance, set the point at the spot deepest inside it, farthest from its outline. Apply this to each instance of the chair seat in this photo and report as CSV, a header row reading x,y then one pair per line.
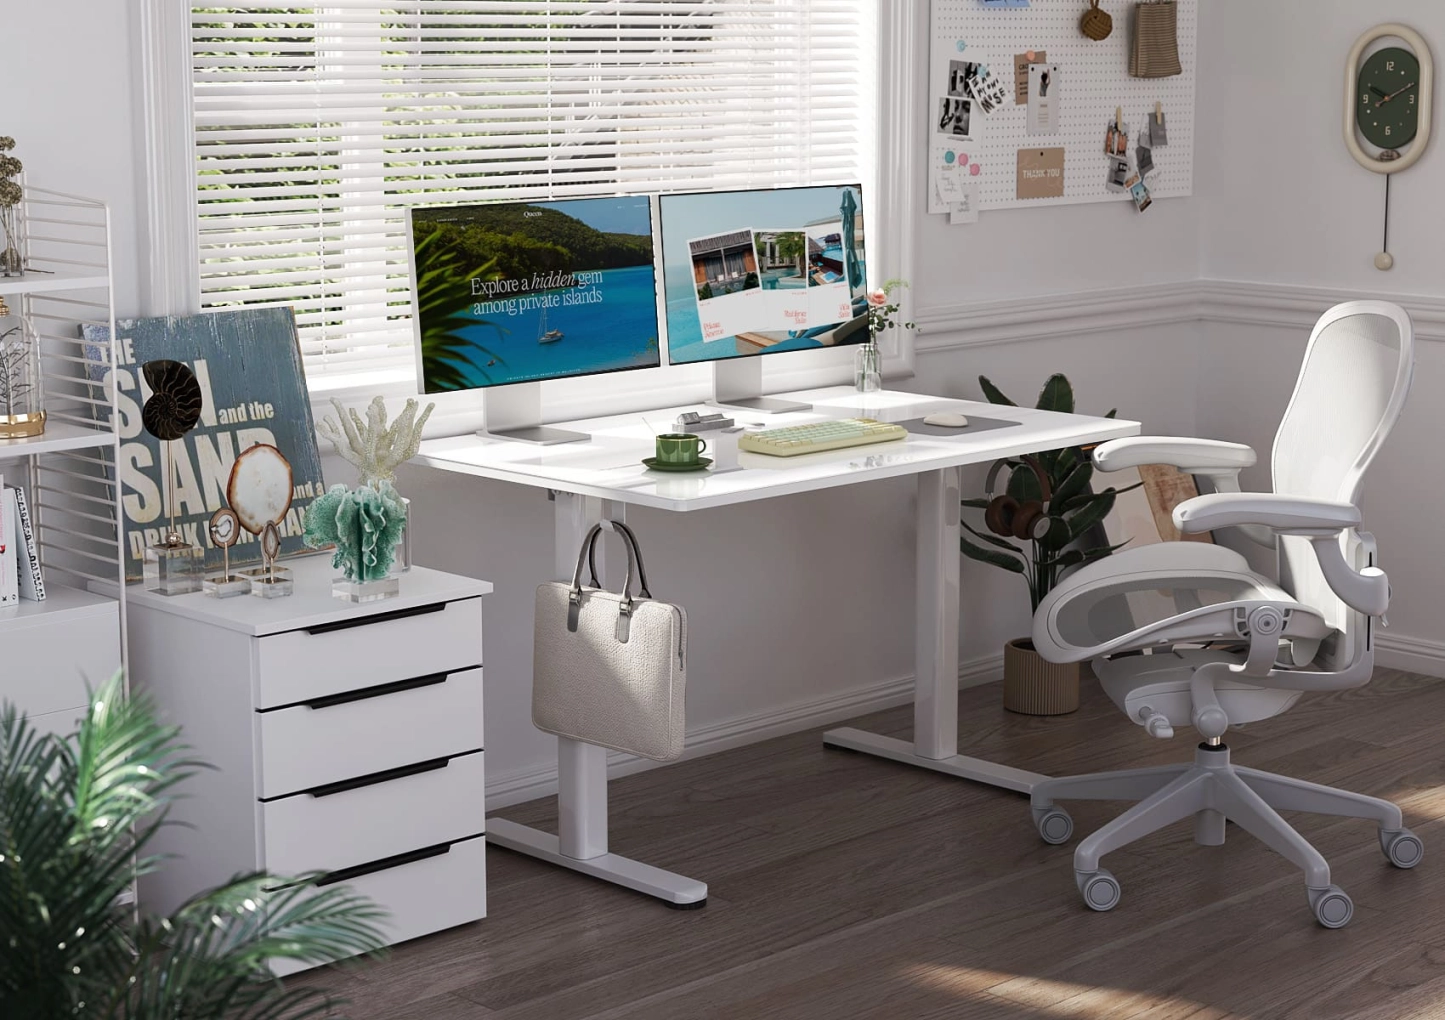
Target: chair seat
x,y
1160,595
1143,685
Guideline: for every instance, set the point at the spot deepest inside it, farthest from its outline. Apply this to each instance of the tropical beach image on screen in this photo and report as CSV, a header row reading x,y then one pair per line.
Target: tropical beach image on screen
x,y
517,292
753,272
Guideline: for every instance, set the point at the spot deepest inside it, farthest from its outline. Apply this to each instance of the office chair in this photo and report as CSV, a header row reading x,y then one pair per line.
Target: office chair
x,y
1232,646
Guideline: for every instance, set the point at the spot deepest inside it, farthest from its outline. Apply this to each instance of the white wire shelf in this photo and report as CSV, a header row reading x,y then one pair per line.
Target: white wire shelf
x,y
58,436
35,282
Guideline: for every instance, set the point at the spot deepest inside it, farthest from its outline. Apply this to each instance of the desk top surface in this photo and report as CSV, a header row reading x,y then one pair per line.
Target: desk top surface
x,y
610,465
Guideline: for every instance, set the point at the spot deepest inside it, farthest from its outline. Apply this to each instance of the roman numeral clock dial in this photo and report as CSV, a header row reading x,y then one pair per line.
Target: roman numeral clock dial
x,y
1389,88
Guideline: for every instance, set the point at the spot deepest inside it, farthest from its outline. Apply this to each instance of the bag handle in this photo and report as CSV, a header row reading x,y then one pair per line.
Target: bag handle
x,y
588,554
629,539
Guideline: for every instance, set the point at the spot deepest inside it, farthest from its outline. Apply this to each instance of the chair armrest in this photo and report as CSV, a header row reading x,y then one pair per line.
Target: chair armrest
x,y
1280,513
1193,456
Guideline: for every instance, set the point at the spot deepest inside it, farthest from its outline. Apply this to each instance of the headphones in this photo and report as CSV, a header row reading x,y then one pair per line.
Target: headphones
x,y
1006,516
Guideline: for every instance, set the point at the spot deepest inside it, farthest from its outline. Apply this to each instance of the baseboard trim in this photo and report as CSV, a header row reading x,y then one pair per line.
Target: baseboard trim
x,y
1418,655
529,784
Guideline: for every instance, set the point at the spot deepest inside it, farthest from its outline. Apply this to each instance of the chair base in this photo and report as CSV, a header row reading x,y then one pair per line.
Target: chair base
x,y
1212,790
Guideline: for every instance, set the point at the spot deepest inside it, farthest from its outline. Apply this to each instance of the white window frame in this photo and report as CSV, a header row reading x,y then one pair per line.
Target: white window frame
x,y
170,272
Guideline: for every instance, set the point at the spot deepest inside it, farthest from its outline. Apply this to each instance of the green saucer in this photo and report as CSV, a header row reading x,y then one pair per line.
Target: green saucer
x,y
701,464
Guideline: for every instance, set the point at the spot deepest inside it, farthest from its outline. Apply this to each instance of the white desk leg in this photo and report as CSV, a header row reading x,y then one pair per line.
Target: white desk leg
x,y
581,841
935,701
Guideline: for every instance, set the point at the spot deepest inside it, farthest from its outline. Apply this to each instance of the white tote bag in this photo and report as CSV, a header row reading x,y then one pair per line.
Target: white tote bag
x,y
610,669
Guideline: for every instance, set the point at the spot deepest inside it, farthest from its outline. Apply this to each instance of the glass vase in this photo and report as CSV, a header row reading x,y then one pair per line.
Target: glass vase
x,y
12,255
21,414
867,368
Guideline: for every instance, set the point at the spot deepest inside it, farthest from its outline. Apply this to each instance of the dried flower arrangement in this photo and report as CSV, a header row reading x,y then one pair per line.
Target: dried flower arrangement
x,y
11,260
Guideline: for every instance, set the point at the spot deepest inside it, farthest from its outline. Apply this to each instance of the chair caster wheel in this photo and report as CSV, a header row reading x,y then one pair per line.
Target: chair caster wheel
x,y
1054,825
1332,907
1402,847
1099,888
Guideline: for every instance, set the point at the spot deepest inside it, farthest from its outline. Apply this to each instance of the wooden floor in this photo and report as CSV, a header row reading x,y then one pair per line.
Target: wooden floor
x,y
846,886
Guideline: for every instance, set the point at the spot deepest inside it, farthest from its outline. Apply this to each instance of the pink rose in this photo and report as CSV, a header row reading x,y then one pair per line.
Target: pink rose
x,y
877,298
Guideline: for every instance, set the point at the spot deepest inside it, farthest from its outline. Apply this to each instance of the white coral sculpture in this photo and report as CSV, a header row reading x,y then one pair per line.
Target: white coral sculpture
x,y
375,449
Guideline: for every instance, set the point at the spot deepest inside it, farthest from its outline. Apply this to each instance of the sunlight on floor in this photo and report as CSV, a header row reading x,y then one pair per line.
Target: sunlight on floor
x,y
1045,997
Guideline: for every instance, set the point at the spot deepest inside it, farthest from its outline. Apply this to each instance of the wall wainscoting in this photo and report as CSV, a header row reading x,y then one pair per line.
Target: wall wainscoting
x,y
978,324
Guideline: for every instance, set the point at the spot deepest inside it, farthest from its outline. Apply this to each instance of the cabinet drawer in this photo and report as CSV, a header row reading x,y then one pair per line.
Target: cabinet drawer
x,y
368,650
439,801
374,729
48,658
443,889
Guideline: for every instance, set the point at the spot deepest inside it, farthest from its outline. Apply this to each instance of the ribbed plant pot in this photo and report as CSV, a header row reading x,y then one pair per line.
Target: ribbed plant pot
x,y
1033,686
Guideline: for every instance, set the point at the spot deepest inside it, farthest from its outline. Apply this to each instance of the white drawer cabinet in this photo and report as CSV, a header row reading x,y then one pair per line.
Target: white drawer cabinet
x,y
347,740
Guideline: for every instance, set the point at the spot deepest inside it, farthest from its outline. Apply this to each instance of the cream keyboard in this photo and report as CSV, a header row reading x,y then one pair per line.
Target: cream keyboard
x,y
792,440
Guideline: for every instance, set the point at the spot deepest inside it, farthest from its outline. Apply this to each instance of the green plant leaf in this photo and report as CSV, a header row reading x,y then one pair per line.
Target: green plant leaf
x,y
1113,413
1075,482
992,393
992,540
1057,395
976,504
1024,484
1092,514
998,559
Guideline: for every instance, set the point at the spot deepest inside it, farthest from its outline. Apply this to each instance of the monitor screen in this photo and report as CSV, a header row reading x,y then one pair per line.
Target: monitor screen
x,y
758,272
511,292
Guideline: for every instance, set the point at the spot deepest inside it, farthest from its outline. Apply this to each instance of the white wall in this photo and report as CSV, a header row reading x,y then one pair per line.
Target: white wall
x,y
1285,201
1294,219
68,73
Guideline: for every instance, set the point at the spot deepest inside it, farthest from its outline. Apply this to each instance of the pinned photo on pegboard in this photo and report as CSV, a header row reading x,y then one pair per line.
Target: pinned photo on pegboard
x,y
1144,157
955,118
1139,192
1118,175
1042,117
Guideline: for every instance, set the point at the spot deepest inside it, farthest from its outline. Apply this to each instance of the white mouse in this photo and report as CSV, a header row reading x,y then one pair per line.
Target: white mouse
x,y
946,419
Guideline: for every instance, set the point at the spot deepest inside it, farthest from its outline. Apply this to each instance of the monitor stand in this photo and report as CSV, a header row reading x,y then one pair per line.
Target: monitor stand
x,y
514,413
738,383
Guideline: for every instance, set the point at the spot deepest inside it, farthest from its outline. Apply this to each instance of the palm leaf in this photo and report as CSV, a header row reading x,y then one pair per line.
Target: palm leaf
x,y
1092,514
992,540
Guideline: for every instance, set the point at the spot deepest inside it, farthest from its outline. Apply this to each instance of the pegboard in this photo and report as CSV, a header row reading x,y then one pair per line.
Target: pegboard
x,y
1094,80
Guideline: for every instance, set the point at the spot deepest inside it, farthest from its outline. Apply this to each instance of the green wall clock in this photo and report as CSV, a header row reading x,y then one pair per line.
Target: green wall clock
x,y
1389,88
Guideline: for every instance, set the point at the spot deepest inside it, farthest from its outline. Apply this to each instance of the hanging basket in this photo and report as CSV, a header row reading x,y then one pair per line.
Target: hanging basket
x,y
1033,686
1096,23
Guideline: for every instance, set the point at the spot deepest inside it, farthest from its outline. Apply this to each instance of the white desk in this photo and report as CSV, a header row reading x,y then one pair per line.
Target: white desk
x,y
600,478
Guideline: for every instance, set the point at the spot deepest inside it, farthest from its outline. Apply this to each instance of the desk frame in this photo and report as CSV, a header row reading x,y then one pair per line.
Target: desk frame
x,y
581,840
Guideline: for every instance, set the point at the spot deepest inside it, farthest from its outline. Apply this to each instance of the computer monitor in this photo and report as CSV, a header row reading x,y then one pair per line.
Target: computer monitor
x,y
747,273
519,292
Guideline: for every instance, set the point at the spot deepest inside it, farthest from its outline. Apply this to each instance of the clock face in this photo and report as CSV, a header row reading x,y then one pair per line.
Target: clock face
x,y
1387,98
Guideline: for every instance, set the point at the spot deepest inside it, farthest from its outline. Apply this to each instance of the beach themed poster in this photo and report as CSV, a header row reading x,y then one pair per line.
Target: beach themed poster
x,y
513,292
253,389
762,271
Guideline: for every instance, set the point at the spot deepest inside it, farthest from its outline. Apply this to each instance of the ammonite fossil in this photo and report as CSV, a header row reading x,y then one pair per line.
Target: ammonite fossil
x,y
175,403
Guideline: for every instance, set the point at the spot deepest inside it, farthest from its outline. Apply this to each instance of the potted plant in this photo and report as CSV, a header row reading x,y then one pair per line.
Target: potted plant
x,y
76,814
1045,523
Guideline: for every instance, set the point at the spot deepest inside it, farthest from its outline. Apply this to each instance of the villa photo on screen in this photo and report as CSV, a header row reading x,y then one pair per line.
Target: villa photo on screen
x,y
510,292
724,264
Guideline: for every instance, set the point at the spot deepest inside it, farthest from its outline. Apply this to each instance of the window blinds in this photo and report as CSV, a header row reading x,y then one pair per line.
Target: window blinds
x,y
315,128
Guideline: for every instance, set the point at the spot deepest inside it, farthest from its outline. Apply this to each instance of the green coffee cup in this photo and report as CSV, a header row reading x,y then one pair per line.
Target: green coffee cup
x,y
679,448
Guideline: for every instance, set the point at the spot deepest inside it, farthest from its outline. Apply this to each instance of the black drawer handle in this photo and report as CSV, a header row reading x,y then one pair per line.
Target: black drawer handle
x,y
367,621
386,863
379,691
401,772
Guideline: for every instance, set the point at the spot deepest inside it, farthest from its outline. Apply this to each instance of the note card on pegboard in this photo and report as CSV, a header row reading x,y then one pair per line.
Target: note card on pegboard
x,y
1004,79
